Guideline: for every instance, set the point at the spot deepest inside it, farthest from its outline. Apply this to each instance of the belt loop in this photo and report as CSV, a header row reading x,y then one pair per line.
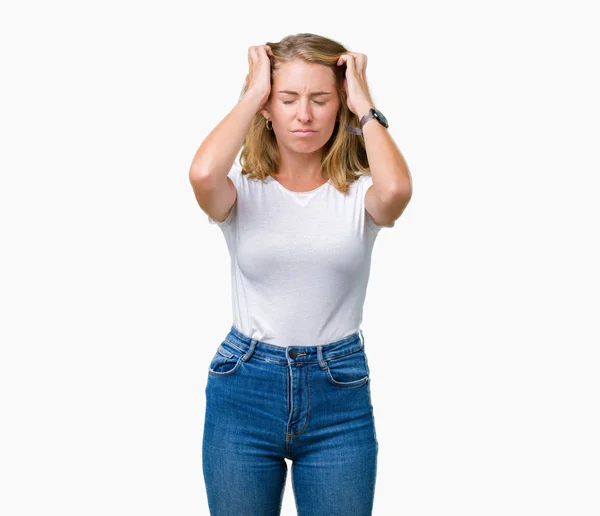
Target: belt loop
x,y
250,352
322,363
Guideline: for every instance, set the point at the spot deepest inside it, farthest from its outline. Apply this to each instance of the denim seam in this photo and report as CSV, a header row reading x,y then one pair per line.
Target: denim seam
x,y
229,372
284,362
307,408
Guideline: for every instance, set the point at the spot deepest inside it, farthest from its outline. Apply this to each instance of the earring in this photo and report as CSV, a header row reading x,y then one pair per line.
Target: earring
x,y
267,124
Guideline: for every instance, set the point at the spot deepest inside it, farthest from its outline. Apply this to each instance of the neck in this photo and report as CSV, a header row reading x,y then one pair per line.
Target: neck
x,y
301,168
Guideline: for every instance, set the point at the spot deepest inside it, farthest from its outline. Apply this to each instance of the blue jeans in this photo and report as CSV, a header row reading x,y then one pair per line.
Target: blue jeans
x,y
309,404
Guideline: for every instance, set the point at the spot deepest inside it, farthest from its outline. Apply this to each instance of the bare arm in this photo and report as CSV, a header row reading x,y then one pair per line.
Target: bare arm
x,y
214,191
218,151
212,162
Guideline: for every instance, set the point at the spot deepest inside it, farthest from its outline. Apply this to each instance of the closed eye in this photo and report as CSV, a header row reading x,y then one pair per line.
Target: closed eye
x,y
290,101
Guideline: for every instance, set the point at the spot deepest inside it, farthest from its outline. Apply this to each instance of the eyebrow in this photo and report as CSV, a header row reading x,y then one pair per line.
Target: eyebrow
x,y
314,94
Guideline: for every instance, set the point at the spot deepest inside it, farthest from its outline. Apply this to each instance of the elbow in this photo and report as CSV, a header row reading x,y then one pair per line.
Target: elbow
x,y
197,174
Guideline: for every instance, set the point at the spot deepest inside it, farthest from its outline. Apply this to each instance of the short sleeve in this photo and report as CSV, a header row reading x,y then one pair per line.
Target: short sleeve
x,y
367,181
234,174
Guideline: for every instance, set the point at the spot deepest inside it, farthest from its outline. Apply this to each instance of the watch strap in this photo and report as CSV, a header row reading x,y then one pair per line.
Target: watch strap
x,y
365,118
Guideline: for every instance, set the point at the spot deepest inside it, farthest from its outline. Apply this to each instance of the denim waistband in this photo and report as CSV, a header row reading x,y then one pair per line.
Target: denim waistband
x,y
289,354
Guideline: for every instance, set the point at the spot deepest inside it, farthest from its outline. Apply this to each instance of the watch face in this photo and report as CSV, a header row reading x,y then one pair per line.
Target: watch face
x,y
379,115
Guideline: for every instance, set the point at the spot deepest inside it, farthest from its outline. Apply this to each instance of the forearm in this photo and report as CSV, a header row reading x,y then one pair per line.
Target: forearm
x,y
388,168
218,151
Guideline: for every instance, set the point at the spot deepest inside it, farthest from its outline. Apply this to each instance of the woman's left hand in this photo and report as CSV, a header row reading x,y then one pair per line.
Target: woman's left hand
x,y
357,90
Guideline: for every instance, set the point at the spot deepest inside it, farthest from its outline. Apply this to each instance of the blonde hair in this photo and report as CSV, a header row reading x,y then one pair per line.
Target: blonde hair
x,y
344,153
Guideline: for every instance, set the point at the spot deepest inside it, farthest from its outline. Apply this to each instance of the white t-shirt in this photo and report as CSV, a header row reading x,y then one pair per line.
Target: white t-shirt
x,y
300,261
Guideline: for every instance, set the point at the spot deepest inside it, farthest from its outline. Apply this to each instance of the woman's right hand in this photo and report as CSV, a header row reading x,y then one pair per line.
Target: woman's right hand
x,y
258,80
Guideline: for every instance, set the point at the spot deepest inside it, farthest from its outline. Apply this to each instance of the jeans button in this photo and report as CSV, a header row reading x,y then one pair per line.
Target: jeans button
x,y
293,353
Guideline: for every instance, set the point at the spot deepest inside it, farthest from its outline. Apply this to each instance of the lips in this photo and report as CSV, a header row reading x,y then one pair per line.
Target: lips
x,y
304,134
304,131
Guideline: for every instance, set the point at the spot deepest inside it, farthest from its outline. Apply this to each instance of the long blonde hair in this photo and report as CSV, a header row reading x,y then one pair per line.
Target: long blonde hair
x,y
344,154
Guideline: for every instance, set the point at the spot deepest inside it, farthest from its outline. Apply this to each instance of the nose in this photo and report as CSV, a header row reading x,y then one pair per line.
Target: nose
x,y
304,112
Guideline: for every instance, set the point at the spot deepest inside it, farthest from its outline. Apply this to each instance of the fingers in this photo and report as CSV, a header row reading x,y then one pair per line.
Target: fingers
x,y
259,73
251,55
253,52
355,61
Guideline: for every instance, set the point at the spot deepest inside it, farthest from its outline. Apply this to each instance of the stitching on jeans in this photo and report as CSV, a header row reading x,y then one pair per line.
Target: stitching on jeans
x,y
308,406
285,363
232,344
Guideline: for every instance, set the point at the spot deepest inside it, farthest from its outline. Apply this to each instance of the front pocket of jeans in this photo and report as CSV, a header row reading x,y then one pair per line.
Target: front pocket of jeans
x,y
224,363
348,371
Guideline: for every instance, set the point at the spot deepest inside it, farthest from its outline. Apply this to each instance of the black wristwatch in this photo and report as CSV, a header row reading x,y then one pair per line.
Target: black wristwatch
x,y
372,113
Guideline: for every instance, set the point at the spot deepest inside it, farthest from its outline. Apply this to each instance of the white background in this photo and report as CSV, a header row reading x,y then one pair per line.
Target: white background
x,y
481,319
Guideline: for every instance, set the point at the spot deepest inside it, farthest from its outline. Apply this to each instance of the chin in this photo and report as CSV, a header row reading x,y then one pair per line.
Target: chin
x,y
305,149
313,143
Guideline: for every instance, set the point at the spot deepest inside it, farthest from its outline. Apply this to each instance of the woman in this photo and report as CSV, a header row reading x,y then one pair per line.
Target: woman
x,y
300,216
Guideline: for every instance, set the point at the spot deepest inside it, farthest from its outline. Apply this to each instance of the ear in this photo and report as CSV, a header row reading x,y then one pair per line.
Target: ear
x,y
265,112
